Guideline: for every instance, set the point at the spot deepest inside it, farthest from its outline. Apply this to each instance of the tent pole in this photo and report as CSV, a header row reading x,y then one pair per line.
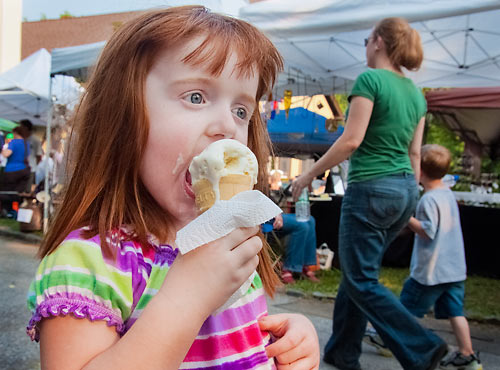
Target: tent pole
x,y
46,200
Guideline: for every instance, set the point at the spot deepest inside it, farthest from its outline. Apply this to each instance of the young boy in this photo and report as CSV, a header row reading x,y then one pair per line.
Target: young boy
x,y
437,269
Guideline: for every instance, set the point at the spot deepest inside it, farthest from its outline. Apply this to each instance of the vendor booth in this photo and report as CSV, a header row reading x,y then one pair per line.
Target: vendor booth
x,y
27,91
479,228
300,132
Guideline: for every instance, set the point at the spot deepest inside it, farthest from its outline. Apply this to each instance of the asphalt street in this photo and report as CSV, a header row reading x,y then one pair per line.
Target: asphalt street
x,y
17,352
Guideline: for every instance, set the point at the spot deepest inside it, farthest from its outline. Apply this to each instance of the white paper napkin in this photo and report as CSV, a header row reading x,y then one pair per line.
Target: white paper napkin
x,y
246,209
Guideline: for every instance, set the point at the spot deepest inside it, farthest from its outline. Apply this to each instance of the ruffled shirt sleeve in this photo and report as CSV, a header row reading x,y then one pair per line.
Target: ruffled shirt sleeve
x,y
76,279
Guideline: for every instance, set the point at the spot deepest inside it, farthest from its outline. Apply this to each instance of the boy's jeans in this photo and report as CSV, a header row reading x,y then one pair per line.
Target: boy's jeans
x,y
373,213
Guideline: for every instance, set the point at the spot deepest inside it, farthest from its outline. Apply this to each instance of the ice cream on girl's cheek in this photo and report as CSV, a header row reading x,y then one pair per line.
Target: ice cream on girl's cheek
x,y
178,164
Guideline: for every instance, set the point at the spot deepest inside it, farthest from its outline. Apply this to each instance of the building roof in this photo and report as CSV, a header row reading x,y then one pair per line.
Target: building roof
x,y
59,33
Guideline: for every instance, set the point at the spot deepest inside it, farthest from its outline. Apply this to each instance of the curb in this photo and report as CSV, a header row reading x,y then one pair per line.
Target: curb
x,y
30,238
318,296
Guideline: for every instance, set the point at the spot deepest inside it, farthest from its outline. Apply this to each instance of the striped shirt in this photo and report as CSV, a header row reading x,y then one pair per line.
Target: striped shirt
x,y
77,279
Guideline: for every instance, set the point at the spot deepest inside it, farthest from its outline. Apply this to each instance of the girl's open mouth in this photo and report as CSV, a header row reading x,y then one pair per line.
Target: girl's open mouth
x,y
188,185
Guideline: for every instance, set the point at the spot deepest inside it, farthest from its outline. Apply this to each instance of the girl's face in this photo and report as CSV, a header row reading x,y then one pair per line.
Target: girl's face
x,y
188,109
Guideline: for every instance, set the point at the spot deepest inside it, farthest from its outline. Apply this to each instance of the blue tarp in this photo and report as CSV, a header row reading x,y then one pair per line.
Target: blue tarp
x,y
303,132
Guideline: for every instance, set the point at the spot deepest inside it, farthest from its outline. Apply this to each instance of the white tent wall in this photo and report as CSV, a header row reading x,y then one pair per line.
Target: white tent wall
x,y
322,41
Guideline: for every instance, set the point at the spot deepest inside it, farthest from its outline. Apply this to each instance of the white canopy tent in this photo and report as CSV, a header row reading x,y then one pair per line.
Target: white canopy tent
x,y
322,41
25,89
75,60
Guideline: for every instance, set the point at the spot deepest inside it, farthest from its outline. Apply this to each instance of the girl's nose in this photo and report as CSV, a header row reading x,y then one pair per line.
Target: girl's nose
x,y
222,125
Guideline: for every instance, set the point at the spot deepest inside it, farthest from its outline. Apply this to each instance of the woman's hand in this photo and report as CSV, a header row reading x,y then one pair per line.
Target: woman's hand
x,y
296,345
300,183
206,277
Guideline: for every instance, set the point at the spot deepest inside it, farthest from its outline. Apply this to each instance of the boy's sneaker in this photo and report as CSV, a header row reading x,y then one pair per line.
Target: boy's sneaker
x,y
457,361
372,338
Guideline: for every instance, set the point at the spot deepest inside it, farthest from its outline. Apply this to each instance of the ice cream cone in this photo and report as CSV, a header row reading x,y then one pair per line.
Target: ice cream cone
x,y
232,184
223,169
204,194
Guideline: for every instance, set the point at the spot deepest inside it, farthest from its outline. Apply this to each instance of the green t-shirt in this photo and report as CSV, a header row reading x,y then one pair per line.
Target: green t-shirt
x,y
398,106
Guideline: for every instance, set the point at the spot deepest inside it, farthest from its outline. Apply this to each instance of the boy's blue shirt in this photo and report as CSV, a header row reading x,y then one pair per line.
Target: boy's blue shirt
x,y
440,258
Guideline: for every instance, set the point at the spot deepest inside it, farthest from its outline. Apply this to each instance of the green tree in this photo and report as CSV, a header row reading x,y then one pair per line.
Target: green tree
x,y
436,132
65,15
342,100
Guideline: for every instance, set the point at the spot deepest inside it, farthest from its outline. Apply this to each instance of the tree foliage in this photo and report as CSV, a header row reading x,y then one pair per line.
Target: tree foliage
x,y
65,15
436,132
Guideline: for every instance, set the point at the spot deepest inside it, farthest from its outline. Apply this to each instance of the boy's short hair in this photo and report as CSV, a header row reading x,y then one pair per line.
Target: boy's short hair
x,y
435,160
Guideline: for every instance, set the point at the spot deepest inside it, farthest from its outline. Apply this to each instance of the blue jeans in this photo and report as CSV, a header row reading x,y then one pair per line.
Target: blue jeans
x,y
373,213
301,245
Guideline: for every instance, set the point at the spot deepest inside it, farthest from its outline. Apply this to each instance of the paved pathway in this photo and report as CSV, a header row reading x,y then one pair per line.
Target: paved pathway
x,y
485,337
17,352
17,268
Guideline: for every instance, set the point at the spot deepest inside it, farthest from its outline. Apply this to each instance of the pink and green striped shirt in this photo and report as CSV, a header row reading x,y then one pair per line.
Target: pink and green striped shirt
x,y
77,279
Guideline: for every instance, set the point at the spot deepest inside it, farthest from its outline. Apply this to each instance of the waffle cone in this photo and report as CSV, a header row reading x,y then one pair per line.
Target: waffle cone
x,y
231,185
204,194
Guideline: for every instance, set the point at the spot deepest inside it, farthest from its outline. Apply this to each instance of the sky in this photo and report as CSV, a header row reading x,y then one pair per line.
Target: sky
x,y
34,10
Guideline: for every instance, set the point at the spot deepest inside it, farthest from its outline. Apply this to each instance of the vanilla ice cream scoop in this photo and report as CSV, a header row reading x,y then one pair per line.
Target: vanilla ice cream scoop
x,y
225,168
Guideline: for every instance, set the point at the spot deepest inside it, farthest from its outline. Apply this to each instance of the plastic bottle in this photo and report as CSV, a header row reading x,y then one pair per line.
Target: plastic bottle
x,y
303,207
450,180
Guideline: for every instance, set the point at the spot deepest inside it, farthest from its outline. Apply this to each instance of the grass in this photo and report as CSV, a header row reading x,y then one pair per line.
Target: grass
x,y
10,223
14,226
482,295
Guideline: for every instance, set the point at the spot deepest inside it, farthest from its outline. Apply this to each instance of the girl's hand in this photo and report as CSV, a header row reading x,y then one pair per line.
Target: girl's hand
x,y
300,183
296,345
206,277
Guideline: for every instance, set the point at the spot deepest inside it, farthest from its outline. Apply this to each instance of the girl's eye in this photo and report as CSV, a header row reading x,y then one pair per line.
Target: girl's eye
x,y
196,98
241,113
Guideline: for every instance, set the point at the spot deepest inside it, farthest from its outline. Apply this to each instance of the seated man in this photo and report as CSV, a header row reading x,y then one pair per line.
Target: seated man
x,y
301,247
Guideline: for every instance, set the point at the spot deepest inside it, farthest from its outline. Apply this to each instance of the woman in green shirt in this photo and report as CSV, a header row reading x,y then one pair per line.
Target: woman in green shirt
x,y
382,137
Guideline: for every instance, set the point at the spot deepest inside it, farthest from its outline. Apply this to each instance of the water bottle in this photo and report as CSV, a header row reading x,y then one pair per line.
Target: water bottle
x,y
450,180
303,207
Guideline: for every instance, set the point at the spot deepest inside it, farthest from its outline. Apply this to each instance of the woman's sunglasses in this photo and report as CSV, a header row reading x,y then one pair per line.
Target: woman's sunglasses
x,y
367,40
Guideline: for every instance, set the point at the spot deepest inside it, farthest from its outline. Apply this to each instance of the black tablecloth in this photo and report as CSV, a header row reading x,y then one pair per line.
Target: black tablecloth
x,y
479,227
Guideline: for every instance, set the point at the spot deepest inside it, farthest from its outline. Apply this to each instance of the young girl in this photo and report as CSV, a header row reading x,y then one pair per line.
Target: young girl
x,y
111,291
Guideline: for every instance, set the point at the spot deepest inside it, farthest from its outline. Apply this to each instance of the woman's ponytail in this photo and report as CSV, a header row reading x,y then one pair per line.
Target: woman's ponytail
x,y
403,43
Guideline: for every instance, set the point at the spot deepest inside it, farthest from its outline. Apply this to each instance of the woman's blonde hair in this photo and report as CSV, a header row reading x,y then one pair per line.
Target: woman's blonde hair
x,y
403,44
111,124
